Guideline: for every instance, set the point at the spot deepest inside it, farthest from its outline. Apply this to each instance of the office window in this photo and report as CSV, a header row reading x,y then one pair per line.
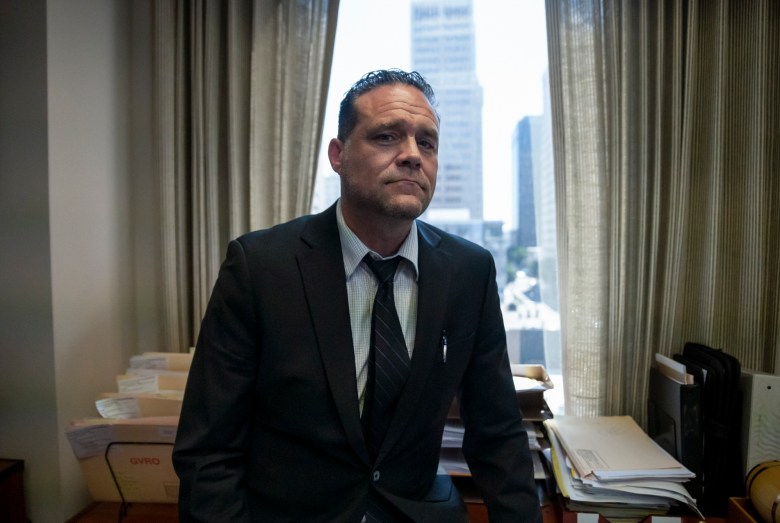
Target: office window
x,y
487,62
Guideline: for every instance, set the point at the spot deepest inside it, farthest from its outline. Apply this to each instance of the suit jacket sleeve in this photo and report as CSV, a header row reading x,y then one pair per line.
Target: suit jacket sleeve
x,y
213,430
495,443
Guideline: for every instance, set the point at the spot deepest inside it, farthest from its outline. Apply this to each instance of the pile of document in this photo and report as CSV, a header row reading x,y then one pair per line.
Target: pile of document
x,y
531,381
153,385
125,452
608,465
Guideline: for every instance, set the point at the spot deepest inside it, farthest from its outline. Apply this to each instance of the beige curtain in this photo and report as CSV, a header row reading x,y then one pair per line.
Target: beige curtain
x,y
239,94
667,169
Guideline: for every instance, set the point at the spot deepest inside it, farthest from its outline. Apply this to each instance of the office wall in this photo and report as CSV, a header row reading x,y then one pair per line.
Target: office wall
x,y
28,421
89,190
78,237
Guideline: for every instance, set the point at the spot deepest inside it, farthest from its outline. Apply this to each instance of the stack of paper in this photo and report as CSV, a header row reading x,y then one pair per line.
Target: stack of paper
x,y
673,370
531,381
153,385
608,465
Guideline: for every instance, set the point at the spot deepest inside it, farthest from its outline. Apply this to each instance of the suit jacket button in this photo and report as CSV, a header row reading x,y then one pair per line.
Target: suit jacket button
x,y
375,475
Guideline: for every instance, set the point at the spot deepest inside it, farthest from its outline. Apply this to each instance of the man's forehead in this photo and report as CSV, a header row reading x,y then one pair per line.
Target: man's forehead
x,y
387,99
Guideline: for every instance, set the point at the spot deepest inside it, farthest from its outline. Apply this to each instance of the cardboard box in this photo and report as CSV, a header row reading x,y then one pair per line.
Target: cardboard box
x,y
162,360
118,405
740,510
153,383
128,455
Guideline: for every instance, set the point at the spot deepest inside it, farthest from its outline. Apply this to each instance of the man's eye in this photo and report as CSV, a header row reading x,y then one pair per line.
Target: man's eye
x,y
427,144
384,137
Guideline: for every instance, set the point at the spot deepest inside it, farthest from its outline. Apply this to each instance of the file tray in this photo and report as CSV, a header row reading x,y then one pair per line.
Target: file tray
x,y
531,382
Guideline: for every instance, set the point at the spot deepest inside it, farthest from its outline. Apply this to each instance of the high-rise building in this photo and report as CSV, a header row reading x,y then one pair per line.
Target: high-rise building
x,y
523,172
532,319
546,235
544,204
443,51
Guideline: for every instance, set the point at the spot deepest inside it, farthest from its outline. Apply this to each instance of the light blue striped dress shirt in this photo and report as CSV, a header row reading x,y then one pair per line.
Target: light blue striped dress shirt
x,y
362,286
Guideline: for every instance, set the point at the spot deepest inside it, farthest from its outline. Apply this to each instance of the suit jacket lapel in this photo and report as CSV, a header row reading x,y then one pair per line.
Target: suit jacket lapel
x,y
433,281
322,271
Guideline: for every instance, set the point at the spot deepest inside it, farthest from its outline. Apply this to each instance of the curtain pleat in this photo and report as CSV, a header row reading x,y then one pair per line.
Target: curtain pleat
x,y
169,144
665,120
239,98
239,30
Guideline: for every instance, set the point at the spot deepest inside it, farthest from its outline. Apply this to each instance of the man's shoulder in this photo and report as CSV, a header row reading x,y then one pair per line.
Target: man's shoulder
x,y
289,233
449,242
275,232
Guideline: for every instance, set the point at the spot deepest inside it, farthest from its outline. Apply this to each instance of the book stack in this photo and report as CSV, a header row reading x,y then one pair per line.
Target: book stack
x,y
125,453
608,466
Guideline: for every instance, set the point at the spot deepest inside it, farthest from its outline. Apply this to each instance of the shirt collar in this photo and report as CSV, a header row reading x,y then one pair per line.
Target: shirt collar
x,y
355,250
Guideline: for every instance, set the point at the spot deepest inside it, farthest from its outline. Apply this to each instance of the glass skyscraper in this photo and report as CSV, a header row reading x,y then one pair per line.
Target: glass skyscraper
x,y
443,51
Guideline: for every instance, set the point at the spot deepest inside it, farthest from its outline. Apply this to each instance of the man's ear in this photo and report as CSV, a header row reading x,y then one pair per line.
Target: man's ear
x,y
335,150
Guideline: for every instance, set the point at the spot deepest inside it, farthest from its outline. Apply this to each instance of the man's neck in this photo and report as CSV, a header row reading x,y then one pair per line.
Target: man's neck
x,y
383,235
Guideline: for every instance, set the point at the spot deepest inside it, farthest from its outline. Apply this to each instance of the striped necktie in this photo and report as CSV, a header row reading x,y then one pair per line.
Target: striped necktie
x,y
389,362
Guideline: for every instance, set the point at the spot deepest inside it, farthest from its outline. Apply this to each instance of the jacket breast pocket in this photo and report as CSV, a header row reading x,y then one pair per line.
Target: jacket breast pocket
x,y
455,347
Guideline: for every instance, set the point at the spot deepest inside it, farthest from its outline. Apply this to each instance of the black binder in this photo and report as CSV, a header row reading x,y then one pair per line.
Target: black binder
x,y
674,422
719,377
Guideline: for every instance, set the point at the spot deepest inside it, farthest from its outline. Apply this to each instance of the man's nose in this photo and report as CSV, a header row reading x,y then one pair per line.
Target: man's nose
x,y
410,154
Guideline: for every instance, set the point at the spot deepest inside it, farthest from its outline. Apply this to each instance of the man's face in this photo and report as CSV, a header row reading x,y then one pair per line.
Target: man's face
x,y
388,163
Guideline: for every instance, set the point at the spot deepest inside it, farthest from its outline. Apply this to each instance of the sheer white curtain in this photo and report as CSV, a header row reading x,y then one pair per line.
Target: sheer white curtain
x,y
667,169
239,93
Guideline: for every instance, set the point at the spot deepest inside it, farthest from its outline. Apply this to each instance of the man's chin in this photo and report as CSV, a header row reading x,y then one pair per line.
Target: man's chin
x,y
405,210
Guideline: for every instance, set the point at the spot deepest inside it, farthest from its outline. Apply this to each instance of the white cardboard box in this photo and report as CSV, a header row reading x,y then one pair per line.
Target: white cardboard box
x,y
133,455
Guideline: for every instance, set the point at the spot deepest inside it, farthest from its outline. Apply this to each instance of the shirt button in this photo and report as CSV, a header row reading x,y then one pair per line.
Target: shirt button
x,y
375,475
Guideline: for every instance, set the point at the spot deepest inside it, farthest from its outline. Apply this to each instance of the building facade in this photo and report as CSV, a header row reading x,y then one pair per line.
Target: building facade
x,y
443,50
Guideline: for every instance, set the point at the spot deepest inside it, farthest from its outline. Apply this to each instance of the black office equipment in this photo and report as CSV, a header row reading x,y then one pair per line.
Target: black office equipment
x,y
719,375
674,422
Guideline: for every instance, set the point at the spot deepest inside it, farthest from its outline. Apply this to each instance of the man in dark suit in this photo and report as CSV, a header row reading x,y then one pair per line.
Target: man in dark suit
x,y
273,426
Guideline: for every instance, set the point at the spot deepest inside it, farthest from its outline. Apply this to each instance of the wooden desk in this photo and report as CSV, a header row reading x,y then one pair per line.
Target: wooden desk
x,y
478,513
12,507
106,512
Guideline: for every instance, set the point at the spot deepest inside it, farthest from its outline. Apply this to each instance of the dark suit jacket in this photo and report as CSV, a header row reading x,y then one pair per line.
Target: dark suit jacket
x,y
270,426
